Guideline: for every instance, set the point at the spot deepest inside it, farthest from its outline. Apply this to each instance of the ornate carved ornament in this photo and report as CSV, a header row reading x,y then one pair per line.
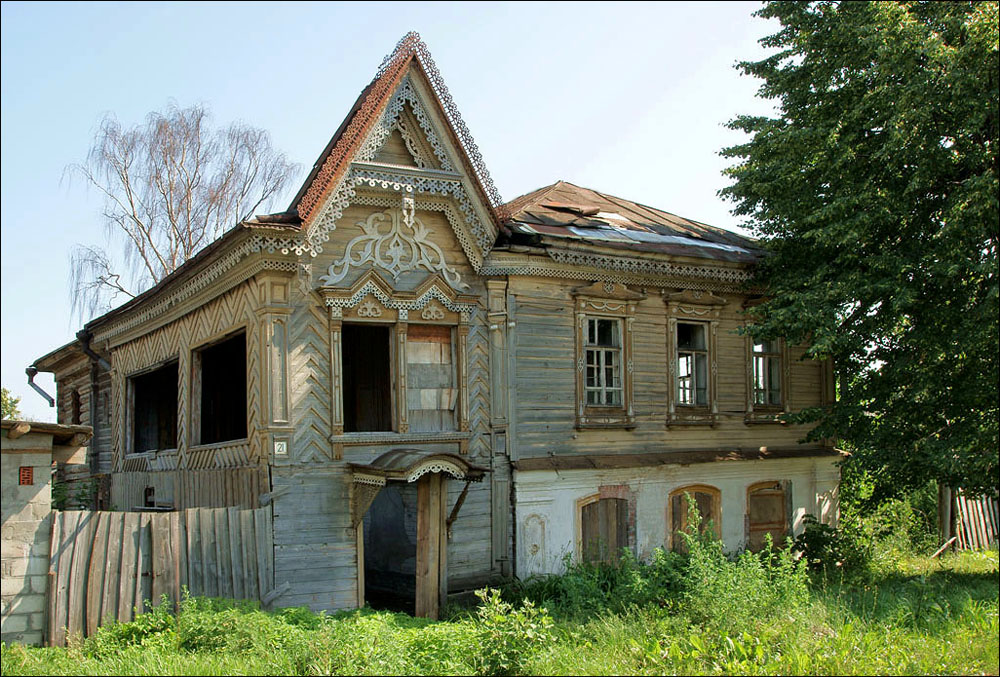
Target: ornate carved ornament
x,y
606,297
410,49
370,295
622,270
694,303
397,242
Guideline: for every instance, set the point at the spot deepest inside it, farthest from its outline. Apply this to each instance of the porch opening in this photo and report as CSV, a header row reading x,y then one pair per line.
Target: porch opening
x,y
154,409
224,390
391,549
367,381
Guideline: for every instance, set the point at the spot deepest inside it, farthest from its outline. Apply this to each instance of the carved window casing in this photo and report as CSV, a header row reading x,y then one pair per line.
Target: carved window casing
x,y
692,357
605,313
372,300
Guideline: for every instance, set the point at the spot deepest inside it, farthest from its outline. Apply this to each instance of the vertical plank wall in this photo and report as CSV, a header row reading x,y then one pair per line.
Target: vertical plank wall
x,y
106,565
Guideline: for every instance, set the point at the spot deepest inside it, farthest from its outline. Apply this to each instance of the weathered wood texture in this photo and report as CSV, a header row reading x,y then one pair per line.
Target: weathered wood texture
x,y
234,310
108,566
978,522
180,489
544,371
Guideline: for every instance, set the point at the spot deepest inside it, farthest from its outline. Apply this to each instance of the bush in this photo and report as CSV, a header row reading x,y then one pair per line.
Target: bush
x,y
508,637
157,627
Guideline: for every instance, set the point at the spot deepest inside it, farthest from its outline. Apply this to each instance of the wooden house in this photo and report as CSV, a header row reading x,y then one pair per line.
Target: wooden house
x,y
433,388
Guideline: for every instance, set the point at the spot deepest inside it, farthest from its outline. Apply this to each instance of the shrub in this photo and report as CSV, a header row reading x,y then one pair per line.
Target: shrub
x,y
157,627
508,637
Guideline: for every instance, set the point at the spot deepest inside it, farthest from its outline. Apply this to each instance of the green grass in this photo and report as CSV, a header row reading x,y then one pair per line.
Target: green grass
x,y
703,615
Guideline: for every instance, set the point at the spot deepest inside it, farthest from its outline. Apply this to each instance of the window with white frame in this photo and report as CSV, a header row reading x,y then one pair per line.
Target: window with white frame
x,y
603,351
605,312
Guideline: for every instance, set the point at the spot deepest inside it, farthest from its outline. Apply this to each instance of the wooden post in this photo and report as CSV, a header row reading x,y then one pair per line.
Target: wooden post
x,y
945,518
429,527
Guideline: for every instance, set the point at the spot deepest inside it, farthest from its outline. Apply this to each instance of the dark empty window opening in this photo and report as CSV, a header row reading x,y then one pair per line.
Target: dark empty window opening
x,y
367,380
149,497
224,390
154,409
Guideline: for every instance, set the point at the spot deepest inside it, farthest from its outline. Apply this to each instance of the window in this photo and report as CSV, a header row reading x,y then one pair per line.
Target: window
x,y
154,409
222,416
430,378
603,349
603,529
692,328
367,378
26,475
604,316
766,374
708,502
766,514
692,364
76,407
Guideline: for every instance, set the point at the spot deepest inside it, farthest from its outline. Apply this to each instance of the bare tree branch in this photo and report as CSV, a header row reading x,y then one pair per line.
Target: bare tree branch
x,y
171,186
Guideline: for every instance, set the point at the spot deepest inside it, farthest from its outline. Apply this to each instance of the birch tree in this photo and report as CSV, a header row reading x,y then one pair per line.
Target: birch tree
x,y
171,186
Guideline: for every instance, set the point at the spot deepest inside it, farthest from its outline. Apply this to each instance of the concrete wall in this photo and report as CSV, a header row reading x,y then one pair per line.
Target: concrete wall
x,y
26,529
547,502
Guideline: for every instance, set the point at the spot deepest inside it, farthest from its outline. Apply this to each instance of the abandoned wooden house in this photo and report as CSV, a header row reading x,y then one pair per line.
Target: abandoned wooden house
x,y
433,388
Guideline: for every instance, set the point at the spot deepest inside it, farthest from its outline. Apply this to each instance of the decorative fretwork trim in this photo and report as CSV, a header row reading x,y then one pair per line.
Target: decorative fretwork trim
x,y
411,47
370,287
437,466
202,281
649,266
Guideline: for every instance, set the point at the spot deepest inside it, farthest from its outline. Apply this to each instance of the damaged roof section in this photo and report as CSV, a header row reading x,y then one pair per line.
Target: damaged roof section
x,y
564,210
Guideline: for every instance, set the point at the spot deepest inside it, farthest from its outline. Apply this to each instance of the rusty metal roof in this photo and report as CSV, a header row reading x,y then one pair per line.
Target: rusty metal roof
x,y
565,210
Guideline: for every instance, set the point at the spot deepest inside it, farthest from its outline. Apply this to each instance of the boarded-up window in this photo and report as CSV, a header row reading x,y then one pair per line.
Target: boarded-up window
x,y
26,475
604,530
154,409
430,378
367,378
224,390
766,514
708,502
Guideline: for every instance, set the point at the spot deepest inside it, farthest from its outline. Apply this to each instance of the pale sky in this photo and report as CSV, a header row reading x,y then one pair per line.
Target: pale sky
x,y
628,99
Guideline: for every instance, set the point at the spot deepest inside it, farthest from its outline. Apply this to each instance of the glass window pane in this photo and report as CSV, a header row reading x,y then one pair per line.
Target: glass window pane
x,y
691,336
607,333
774,378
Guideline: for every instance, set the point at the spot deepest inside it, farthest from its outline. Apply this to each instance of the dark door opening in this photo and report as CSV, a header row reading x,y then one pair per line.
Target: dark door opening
x,y
390,549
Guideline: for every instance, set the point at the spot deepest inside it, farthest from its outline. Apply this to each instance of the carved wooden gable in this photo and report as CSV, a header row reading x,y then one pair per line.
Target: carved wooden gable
x,y
408,165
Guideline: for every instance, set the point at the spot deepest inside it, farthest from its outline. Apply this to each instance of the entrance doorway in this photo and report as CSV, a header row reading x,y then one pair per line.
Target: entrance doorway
x,y
399,508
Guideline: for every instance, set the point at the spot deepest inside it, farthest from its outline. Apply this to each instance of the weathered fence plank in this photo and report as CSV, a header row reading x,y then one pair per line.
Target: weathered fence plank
x,y
105,566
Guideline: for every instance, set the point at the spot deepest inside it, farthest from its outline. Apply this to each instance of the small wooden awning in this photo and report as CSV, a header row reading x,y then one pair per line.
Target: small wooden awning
x,y
403,465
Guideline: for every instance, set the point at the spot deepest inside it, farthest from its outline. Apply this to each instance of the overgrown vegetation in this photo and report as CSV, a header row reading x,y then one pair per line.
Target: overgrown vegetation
x,y
883,610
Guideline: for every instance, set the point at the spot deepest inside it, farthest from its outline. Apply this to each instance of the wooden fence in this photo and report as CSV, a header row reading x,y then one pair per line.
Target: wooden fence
x,y
977,522
104,565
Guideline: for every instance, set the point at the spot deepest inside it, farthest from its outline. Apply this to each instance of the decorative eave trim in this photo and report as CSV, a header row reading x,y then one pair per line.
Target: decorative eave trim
x,y
371,283
410,48
624,270
215,279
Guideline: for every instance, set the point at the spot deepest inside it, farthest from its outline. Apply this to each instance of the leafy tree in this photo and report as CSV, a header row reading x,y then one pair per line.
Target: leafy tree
x,y
171,186
8,405
875,190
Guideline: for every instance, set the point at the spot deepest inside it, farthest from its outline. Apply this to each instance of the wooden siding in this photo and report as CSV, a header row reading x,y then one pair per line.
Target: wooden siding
x,y
545,394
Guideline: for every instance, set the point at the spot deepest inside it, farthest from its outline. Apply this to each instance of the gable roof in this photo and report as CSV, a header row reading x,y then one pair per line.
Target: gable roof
x,y
569,212
332,163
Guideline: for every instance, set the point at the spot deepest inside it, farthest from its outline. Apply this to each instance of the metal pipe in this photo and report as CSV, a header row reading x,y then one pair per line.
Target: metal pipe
x,y
31,371
84,336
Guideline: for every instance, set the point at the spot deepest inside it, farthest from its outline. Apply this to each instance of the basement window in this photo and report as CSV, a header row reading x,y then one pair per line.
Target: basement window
x,y
223,385
707,500
766,514
154,409
366,360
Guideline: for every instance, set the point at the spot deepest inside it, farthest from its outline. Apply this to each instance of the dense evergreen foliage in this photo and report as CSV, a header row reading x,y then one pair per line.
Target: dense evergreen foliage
x,y
875,189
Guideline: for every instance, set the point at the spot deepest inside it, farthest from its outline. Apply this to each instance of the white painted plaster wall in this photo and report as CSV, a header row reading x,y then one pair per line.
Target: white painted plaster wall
x,y
547,515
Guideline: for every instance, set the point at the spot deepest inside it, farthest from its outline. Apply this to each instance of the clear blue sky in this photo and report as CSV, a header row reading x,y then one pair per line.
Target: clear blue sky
x,y
629,99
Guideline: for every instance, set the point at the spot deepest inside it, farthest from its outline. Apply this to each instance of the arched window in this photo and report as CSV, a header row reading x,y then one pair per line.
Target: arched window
x,y
603,529
708,501
766,514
